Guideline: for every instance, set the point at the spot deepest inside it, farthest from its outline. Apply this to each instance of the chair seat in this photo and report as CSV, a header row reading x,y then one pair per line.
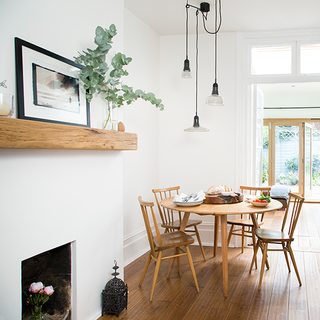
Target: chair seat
x,y
269,235
176,224
173,240
243,222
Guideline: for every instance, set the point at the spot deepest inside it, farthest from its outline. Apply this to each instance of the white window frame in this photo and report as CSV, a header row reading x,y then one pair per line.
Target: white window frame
x,y
245,113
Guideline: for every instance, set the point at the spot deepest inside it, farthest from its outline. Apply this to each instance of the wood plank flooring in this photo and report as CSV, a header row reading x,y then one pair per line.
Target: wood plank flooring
x,y
280,296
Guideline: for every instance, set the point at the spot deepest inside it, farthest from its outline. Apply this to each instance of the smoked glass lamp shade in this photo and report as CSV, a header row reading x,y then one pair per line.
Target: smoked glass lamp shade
x,y
196,126
186,73
214,99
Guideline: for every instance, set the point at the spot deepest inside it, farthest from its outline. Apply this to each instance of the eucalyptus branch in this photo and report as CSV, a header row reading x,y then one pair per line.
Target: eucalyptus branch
x,y
97,80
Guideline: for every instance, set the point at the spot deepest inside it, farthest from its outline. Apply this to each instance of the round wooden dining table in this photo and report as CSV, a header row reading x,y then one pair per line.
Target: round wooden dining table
x,y
221,211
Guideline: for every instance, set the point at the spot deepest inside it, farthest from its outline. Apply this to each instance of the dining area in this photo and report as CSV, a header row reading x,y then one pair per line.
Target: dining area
x,y
218,281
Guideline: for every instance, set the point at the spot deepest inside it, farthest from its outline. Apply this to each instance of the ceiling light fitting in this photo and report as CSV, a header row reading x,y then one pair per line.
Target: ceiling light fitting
x,y
214,99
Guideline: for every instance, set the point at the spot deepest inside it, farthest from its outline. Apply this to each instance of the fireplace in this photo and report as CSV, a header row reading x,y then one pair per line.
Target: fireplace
x,y
52,267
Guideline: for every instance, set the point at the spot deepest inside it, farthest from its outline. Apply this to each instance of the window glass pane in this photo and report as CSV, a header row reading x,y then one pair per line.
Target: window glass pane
x,y
310,58
270,60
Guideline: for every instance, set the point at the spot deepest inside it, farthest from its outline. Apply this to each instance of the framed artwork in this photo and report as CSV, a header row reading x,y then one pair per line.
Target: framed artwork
x,y
48,87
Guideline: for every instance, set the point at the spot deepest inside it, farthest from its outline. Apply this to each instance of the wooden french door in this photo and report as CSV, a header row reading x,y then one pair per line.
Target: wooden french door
x,y
290,154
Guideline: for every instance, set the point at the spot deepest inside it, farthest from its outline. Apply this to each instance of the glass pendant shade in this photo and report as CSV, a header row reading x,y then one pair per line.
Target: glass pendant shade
x,y
214,99
186,73
196,126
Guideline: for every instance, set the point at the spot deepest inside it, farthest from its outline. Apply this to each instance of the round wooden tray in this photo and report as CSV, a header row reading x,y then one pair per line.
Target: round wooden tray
x,y
219,199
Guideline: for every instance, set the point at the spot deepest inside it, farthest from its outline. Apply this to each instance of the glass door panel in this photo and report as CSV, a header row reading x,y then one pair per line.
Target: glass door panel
x,y
307,160
286,161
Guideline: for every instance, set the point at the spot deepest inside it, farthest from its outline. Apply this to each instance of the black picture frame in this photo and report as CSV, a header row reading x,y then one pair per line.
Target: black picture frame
x,y
49,87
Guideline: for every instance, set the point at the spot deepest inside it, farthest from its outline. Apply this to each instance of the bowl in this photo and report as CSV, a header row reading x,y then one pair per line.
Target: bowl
x,y
259,204
226,193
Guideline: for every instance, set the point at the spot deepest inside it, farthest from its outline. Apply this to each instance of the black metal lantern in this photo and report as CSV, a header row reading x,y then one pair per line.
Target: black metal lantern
x,y
114,295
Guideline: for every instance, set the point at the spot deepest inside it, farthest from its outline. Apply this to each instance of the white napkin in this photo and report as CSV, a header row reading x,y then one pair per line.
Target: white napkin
x,y
189,198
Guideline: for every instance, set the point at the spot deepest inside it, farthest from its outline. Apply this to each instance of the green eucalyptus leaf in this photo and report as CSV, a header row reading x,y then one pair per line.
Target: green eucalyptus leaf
x,y
97,77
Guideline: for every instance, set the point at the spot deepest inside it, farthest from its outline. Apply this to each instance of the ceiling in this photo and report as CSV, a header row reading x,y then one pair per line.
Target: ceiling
x,y
167,17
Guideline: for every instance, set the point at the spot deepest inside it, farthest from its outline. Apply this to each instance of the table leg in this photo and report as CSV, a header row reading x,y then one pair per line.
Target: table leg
x,y
184,221
216,235
224,248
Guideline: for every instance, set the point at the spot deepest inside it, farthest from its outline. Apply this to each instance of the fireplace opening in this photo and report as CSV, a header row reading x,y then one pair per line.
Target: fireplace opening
x,y
52,267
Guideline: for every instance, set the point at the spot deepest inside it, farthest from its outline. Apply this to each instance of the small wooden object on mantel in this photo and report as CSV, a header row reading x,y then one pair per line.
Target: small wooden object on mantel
x,y
220,199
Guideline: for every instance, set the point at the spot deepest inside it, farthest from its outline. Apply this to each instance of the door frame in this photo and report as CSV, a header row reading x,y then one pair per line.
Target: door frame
x,y
271,123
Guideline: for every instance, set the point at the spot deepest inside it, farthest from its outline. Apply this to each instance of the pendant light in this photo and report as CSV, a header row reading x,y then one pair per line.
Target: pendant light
x,y
214,99
196,124
186,73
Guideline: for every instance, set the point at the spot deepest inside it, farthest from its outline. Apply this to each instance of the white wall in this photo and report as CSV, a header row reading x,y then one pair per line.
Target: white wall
x,y
50,197
167,155
197,161
141,168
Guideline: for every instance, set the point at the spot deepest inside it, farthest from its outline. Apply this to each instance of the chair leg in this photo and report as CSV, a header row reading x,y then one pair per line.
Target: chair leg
x,y
242,239
192,268
286,256
294,263
145,269
200,243
171,266
262,250
254,245
178,261
254,258
156,272
230,234
263,263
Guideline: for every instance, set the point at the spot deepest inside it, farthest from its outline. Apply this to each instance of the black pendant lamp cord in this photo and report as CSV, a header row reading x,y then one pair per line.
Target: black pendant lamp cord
x,y
215,39
187,33
197,43
204,18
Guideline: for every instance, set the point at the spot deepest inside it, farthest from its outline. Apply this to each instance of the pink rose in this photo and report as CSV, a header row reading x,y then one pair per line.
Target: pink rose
x,y
48,290
36,287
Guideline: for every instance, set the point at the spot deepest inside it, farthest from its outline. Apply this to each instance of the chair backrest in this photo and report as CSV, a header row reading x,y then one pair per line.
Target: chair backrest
x,y
255,191
148,216
296,202
164,193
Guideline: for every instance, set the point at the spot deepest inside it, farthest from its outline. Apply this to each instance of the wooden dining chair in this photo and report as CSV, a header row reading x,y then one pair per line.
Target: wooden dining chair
x,y
161,242
243,226
283,238
171,220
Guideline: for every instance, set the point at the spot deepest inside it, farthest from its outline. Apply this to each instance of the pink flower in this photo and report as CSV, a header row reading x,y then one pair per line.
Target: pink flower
x,y
36,287
48,290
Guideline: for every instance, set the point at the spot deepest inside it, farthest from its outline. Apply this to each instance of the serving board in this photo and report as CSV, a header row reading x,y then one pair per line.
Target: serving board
x,y
219,199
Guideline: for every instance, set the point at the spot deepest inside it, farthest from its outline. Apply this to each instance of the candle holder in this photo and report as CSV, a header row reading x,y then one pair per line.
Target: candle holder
x,y
6,105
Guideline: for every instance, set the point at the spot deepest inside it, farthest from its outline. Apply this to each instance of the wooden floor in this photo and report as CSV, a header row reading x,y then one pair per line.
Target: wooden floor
x,y
280,296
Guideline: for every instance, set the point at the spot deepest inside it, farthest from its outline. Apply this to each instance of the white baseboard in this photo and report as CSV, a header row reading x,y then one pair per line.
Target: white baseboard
x,y
95,315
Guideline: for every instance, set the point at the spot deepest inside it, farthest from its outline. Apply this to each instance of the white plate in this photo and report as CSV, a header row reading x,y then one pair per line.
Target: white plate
x,y
187,204
259,204
226,193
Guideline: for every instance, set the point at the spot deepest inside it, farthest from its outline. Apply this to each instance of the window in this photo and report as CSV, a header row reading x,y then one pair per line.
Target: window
x,y
271,60
310,59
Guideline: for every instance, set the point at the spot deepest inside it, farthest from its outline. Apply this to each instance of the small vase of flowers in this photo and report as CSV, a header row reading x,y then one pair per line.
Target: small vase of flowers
x,y
37,296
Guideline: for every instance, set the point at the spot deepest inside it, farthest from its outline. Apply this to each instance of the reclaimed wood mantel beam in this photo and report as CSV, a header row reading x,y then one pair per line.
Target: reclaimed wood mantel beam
x,y
27,134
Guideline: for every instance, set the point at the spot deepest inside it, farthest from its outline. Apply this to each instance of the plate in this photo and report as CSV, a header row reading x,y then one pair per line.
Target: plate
x,y
259,204
187,204
226,193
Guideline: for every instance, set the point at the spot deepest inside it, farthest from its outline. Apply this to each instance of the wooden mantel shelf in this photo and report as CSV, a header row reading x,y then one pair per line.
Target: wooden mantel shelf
x,y
27,134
